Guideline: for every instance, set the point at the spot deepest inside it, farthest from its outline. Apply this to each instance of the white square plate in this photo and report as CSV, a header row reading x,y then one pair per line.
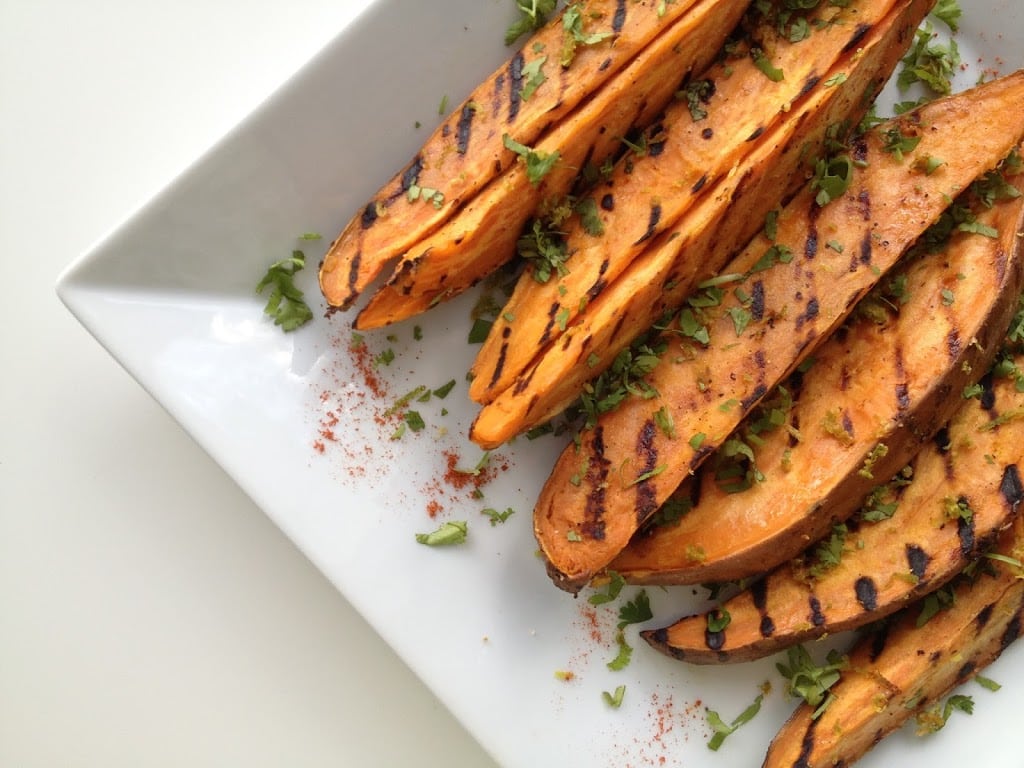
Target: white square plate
x,y
170,294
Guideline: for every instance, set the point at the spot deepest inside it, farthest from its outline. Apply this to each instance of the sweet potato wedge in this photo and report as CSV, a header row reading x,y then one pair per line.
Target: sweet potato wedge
x,y
648,194
524,97
904,670
877,390
964,491
622,469
482,235
719,223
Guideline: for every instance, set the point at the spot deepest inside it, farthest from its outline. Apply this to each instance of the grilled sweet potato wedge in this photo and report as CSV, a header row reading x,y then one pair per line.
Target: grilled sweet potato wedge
x,y
877,390
718,224
964,491
482,235
606,486
903,669
648,194
523,98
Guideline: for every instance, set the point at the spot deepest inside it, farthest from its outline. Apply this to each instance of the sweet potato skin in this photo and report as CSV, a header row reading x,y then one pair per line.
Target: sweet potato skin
x,y
646,195
903,669
482,235
718,225
625,467
467,150
889,563
892,384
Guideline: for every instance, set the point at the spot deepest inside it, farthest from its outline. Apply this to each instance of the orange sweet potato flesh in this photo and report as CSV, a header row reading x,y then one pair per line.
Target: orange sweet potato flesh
x,y
466,151
903,670
482,235
602,490
886,564
647,195
717,225
892,384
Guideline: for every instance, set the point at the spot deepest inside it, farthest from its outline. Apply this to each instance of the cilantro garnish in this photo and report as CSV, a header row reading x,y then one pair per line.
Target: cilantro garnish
x,y
948,12
832,178
449,533
623,657
573,34
636,611
497,517
611,592
533,77
763,63
532,15
614,700
538,164
722,730
285,303
809,681
935,718
930,64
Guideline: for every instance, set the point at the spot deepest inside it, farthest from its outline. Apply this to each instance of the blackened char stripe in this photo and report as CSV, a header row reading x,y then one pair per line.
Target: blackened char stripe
x,y
918,561
647,450
597,476
652,223
867,593
465,129
412,173
1011,486
858,35
619,19
369,217
515,85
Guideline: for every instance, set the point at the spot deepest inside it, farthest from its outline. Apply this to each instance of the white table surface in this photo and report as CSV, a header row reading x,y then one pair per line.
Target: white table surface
x,y
150,615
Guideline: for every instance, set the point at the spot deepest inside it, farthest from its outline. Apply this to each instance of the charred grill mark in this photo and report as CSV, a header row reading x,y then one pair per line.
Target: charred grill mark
x,y
809,83
353,276
844,378
918,560
515,85
984,615
714,640
878,642
902,387
619,19
699,185
988,393
502,352
965,532
867,593
811,244
741,185
655,148
817,617
757,301
707,134
1011,633
369,217
943,443
412,173
596,479
966,671
865,249
600,284
552,314
864,199
859,149
953,344
809,313
608,202
858,35
759,594
523,382
806,747
756,134
1011,487
465,129
605,64
646,503
847,423
761,389
652,223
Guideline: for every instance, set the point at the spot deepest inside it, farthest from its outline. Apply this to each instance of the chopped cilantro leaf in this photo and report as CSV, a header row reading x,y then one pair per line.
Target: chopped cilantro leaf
x,y
449,533
538,164
285,304
722,731
614,700
532,15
